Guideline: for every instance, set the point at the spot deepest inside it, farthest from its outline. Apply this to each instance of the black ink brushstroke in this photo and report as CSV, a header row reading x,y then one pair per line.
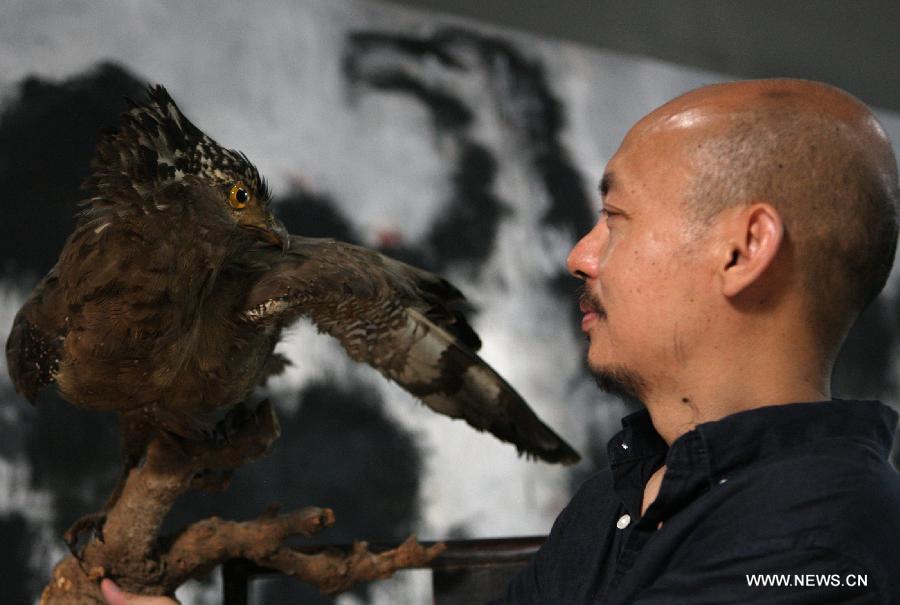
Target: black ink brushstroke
x,y
48,133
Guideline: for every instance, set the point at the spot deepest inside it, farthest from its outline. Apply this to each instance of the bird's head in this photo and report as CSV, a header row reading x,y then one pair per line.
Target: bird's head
x,y
155,147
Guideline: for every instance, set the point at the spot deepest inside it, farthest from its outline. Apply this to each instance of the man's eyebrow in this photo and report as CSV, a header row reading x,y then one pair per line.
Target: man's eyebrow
x,y
606,184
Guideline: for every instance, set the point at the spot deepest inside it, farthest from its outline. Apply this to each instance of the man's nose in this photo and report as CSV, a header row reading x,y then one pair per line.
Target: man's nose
x,y
584,257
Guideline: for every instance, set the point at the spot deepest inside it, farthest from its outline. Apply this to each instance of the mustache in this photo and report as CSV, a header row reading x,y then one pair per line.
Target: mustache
x,y
587,299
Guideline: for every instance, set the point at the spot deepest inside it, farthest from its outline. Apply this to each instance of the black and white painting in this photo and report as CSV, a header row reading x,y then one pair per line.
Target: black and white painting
x,y
470,151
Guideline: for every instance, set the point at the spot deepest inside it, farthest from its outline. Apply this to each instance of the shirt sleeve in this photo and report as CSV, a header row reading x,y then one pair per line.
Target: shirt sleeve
x,y
758,574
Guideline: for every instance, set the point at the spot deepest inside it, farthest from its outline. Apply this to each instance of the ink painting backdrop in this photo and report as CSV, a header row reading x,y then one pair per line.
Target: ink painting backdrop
x,y
468,150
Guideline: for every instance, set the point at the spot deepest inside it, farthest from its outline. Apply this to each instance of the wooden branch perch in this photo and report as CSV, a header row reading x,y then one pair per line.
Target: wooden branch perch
x,y
132,553
334,571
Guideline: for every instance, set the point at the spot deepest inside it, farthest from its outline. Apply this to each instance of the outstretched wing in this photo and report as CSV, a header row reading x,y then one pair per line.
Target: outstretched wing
x,y
404,322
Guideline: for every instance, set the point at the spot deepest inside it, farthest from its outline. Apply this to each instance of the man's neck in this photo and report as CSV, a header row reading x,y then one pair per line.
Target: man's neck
x,y
732,385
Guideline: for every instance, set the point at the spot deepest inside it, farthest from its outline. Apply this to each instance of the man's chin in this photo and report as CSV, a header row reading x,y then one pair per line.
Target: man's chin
x,y
619,381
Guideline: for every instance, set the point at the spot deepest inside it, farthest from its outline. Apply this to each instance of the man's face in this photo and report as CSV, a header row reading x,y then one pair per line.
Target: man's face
x,y
643,271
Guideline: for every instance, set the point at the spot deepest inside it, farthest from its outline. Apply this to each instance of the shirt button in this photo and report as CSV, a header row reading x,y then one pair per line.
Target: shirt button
x,y
623,521
624,446
723,480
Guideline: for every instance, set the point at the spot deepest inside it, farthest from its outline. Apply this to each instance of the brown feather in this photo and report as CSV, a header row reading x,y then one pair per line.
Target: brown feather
x,y
387,314
166,303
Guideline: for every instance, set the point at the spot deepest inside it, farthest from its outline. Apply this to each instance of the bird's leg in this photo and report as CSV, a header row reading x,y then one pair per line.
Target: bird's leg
x,y
92,523
225,432
232,424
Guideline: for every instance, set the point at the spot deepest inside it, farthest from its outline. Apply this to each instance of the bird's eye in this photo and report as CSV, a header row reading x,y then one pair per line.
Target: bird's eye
x,y
239,196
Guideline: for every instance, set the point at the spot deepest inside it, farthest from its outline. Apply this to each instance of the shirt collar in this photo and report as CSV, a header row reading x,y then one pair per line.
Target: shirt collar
x,y
769,431
634,454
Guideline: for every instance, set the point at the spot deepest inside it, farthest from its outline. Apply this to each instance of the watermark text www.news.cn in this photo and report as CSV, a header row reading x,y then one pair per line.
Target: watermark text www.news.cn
x,y
807,580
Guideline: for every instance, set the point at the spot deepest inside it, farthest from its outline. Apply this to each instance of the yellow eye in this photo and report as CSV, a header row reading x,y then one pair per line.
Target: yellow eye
x,y
239,196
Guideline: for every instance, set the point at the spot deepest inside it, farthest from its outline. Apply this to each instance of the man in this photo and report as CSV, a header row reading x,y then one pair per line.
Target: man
x,y
744,228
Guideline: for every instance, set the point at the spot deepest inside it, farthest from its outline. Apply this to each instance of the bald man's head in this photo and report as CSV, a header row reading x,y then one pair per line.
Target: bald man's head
x,y
820,157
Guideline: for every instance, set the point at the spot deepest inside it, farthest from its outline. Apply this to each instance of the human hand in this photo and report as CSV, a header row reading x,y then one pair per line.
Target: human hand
x,y
114,596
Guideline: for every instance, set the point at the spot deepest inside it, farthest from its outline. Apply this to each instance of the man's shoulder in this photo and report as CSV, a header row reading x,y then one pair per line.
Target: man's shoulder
x,y
598,484
841,507
830,488
594,496
827,479
590,514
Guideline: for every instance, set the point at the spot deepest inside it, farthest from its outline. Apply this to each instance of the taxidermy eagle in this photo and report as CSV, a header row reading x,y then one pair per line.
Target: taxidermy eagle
x,y
168,299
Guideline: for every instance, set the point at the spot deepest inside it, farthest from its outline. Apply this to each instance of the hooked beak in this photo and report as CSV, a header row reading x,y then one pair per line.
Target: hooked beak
x,y
273,232
279,235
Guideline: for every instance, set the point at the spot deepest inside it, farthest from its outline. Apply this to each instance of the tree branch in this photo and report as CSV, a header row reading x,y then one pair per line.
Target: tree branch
x,y
132,553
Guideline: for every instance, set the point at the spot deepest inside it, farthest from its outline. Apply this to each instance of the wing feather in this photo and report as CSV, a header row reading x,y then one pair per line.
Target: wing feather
x,y
34,345
405,322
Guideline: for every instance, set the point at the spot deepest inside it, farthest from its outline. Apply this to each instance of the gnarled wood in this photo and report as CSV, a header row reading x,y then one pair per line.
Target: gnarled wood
x,y
133,554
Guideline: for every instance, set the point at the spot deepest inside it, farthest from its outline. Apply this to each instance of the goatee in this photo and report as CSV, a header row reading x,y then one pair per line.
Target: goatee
x,y
620,382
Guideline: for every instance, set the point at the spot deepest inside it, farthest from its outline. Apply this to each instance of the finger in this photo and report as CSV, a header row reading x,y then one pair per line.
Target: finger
x,y
114,596
112,593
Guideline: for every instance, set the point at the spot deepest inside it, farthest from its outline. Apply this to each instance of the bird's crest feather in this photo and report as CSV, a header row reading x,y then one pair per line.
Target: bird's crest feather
x,y
154,145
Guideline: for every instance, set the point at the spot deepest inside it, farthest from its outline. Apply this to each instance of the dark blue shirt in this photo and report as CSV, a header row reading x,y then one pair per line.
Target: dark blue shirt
x,y
801,496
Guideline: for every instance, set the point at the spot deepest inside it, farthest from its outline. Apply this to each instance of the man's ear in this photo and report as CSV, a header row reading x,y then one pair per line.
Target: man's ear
x,y
753,237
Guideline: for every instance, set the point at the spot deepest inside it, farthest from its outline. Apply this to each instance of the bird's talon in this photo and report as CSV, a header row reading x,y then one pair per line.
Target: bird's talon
x,y
93,523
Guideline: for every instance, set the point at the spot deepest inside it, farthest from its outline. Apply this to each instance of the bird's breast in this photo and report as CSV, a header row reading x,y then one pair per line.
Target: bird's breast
x,y
152,322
